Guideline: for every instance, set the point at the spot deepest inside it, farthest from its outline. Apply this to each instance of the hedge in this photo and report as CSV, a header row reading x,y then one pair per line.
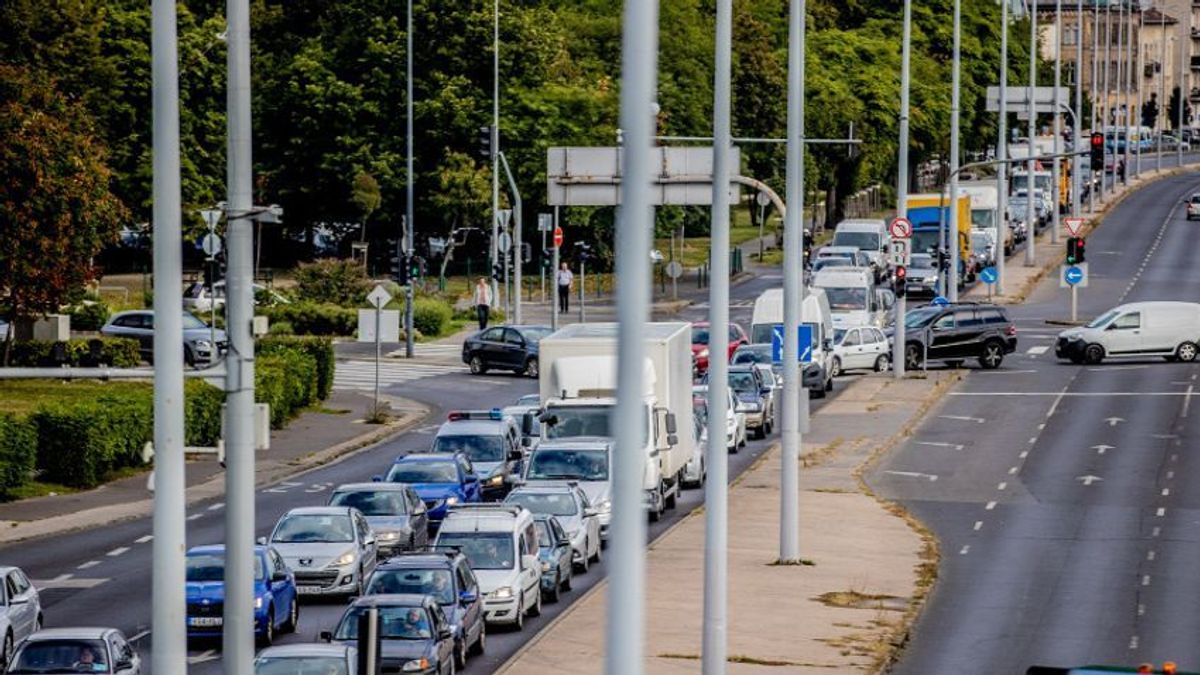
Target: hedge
x,y
79,443
88,315
319,348
310,318
202,413
431,317
287,381
115,352
18,452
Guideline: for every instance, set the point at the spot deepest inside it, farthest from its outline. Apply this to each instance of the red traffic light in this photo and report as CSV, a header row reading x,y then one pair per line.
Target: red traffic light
x,y
901,273
1097,139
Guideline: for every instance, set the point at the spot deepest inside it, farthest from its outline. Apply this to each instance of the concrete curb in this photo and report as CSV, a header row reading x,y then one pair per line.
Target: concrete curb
x,y
115,513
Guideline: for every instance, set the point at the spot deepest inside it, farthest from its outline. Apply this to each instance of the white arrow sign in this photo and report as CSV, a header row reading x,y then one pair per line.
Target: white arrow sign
x,y
1102,448
1088,480
1074,225
1114,421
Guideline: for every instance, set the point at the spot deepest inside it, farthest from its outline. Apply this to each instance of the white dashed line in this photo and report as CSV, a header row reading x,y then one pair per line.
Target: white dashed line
x,y
117,551
195,516
1133,641
143,539
1150,556
1170,475
1141,610
216,507
1160,512
990,506
1145,579
965,550
978,525
1002,486
1023,454
1038,350
88,565
1033,440
1166,492
1012,471
940,444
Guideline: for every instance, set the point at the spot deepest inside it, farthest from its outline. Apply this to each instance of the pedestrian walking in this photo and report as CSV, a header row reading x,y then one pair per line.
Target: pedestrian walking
x,y
483,301
565,281
1121,170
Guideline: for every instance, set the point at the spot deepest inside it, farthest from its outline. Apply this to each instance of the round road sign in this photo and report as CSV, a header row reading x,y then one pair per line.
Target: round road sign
x,y
1073,275
900,228
505,242
988,275
211,244
558,237
674,269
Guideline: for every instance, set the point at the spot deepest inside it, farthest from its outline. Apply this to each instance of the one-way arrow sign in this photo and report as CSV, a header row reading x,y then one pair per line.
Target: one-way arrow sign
x,y
1088,480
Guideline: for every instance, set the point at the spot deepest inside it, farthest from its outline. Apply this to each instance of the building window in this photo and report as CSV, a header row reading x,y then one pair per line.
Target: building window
x,y
1070,36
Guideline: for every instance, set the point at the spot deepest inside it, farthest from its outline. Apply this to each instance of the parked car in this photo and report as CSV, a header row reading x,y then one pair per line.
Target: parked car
x,y
198,297
584,461
447,577
759,353
104,651
303,658
1138,329
512,348
754,397
954,333
574,512
442,480
491,440
20,612
202,345
700,331
861,349
555,553
1193,206
394,511
417,637
330,549
276,603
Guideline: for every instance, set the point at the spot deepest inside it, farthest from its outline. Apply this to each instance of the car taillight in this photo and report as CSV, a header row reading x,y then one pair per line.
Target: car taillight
x,y
1010,331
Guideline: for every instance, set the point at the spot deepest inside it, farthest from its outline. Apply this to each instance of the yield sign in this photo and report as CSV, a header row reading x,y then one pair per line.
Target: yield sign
x,y
1073,225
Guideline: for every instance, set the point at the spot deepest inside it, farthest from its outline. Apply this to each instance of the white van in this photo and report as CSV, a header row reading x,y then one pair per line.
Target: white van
x,y
815,313
501,544
853,297
1139,329
866,234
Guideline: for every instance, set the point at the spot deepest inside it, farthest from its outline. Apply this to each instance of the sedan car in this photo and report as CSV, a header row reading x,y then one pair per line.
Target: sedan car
x,y
574,511
700,332
202,345
556,554
512,348
584,461
417,637
20,611
300,659
394,511
860,349
331,549
276,606
441,480
103,651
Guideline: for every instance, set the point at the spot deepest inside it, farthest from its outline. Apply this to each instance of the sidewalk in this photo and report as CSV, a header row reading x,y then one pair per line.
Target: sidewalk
x,y
315,438
847,608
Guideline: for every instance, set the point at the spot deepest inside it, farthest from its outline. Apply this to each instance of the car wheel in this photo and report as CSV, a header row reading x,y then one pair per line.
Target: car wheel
x,y
480,645
519,624
552,595
1093,354
835,369
293,617
992,356
188,359
537,606
912,357
268,635
460,654
478,367
597,555
656,513
1186,352
882,363
7,654
566,583
531,367
584,566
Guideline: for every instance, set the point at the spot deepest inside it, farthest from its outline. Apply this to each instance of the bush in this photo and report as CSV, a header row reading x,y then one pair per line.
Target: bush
x,y
88,315
431,317
18,452
282,328
320,349
310,318
116,352
341,282
286,380
80,442
202,413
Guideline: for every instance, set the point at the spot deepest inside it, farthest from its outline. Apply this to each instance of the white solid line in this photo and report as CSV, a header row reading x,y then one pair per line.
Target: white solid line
x,y
990,506
1012,471
978,525
913,474
963,418
965,549
216,507
940,444
143,539
1057,400
1160,512
1187,401
88,565
117,551
1002,486
195,516
1037,350
1078,394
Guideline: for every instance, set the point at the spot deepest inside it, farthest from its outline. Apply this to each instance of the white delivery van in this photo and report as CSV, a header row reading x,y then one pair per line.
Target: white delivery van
x,y
868,235
815,313
578,389
1139,329
853,300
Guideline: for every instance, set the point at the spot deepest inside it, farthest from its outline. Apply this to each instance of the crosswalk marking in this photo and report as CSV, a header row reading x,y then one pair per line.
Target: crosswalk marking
x,y
66,581
360,375
433,349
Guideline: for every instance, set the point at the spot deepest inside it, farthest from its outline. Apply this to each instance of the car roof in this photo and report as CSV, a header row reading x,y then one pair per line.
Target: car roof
x,y
392,600
303,649
742,367
545,488
5,569
476,427
420,560
218,548
373,487
577,443
320,511
429,457
72,633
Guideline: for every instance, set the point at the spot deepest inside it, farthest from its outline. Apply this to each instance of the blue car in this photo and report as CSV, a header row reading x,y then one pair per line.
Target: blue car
x,y
275,599
441,480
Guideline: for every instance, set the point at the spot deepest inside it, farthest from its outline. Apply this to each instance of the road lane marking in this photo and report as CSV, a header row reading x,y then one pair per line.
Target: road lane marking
x,y
1089,479
1170,475
1106,369
1065,394
88,565
1156,531
143,539
1038,350
1023,454
1101,449
990,506
1002,486
217,507
1141,610
914,474
1164,437
978,525
1114,421
963,418
1133,641
195,516
117,551
1004,372
1145,579
1012,471
1187,400
1033,440
940,444
965,549
210,655
67,581
1160,512
1166,492
1041,426
1150,556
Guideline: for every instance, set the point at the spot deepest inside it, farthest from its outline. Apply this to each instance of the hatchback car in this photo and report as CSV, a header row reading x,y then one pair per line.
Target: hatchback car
x,y
20,611
330,549
276,606
512,348
441,480
754,397
735,422
302,659
393,510
1193,207
574,511
447,576
202,344
700,334
556,555
863,348
954,333
417,637
104,651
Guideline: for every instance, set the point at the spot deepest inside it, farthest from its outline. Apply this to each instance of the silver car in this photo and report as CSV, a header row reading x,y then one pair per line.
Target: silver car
x,y
331,549
568,503
318,657
393,510
76,650
585,461
202,344
20,610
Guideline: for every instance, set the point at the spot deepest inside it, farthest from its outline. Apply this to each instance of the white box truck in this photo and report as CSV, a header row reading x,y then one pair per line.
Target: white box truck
x,y
578,386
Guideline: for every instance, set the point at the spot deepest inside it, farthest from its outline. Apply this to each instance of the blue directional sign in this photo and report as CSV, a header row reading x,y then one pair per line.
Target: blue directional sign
x,y
806,339
941,301
1073,275
988,275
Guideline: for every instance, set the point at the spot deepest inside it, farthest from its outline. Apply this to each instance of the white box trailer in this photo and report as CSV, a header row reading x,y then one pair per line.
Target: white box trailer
x,y
578,383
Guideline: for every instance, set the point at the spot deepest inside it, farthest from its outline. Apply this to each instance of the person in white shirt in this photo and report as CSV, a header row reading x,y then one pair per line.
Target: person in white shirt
x,y
483,301
565,280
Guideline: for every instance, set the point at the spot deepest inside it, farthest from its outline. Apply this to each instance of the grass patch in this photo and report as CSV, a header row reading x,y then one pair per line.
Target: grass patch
x,y
802,562
696,249
858,600
322,410
22,397
751,661
36,488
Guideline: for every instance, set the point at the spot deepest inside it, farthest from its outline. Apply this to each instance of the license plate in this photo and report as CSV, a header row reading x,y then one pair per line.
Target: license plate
x,y
308,590
204,621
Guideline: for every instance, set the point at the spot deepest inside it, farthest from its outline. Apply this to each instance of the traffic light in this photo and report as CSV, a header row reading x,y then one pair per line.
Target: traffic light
x,y
416,267
400,269
901,281
497,272
583,251
526,252
943,259
1097,148
487,142
1075,251
547,258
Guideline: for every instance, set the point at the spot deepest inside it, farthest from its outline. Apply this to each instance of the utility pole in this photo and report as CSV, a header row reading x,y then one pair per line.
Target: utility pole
x,y
716,492
238,633
168,613
1099,186
902,176
953,239
1139,81
1162,99
1002,152
1030,254
1184,40
1106,125
793,280
495,144
626,621
1077,162
409,222
1056,169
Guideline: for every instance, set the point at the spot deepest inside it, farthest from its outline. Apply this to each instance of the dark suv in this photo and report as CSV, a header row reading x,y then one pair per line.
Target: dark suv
x,y
954,333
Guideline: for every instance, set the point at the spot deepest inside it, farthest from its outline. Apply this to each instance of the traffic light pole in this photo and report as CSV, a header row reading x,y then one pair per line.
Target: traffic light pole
x,y
516,248
409,221
902,176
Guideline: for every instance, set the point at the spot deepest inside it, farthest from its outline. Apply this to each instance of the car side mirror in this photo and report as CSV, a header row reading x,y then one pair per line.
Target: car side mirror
x,y
827,344
468,597
526,441
471,478
377,478
262,541
672,439
444,633
279,576
325,636
369,541
516,454
527,424
564,542
123,664
589,512
18,601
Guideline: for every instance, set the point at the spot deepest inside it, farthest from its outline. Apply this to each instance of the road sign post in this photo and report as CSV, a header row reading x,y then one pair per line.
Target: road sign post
x,y
1074,277
804,343
378,298
900,254
557,240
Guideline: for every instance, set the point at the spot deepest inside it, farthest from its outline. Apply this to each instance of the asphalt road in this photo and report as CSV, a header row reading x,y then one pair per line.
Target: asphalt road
x,y
1068,531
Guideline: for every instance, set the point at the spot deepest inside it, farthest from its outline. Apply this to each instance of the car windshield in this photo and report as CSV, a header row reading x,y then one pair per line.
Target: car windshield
x,y
423,472
920,261
866,241
484,551
68,655
740,382
395,623
476,448
554,504
575,421
190,321
543,534
372,502
211,567
927,240
300,665
561,464
435,582
846,298
920,317
752,356
314,528
983,218
1103,319
980,242
1196,199
831,262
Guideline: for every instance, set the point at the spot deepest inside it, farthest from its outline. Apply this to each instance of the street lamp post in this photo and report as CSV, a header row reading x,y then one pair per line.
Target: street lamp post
x,y
902,172
1055,169
1002,150
410,224
953,238
1030,254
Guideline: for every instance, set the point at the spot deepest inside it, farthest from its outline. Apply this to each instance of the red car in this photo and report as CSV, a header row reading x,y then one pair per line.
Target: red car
x,y
737,338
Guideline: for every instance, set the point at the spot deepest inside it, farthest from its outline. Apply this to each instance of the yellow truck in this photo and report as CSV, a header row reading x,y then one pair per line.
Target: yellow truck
x,y
929,213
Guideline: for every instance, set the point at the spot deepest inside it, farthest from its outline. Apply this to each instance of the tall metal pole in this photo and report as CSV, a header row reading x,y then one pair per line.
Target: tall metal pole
x,y
238,633
1077,162
793,279
953,238
1128,82
1106,124
716,493
1121,122
626,622
902,176
1184,41
1002,152
1162,101
1030,254
1092,89
495,145
1139,82
1056,169
409,222
167,578
554,280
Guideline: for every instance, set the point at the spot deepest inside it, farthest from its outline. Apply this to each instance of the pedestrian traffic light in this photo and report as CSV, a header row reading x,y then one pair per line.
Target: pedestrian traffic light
x,y
547,258
1075,250
901,281
497,272
487,142
399,268
1097,148
415,266
526,252
943,259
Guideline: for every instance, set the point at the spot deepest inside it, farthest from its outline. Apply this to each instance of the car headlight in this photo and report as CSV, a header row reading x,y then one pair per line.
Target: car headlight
x,y
603,506
545,566
703,353
203,344
415,665
451,501
258,603
495,480
387,536
502,593
344,559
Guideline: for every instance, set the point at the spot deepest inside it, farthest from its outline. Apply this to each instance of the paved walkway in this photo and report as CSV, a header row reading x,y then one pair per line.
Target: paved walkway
x,y
846,610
